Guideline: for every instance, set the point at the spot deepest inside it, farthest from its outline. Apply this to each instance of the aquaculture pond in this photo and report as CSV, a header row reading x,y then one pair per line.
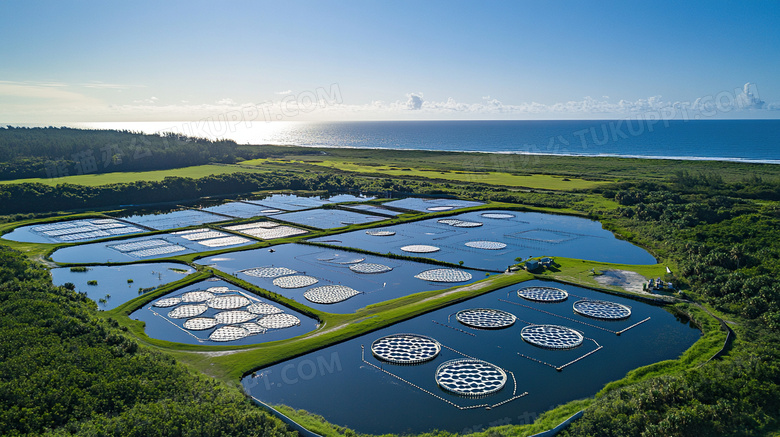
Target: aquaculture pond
x,y
241,210
414,386
72,231
328,218
492,239
115,285
315,276
373,209
175,219
431,205
291,202
215,312
150,247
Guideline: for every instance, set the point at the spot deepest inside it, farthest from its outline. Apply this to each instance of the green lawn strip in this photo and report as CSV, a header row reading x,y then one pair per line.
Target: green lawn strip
x,y
94,180
578,271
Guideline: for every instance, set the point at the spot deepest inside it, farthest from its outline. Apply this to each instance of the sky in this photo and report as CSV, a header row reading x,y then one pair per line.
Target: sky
x,y
84,61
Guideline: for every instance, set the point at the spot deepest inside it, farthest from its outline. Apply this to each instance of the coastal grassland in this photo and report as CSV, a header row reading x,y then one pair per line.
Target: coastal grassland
x,y
596,168
534,181
98,179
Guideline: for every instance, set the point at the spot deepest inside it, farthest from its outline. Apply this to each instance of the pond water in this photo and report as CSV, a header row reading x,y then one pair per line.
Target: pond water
x,y
330,267
291,202
431,205
338,384
114,280
72,231
150,247
175,219
241,210
373,209
225,306
515,234
327,218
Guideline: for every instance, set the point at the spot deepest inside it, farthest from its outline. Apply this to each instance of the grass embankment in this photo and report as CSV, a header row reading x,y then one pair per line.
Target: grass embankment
x,y
94,180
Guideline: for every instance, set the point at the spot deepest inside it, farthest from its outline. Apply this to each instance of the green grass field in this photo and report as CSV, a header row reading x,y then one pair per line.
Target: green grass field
x,y
94,180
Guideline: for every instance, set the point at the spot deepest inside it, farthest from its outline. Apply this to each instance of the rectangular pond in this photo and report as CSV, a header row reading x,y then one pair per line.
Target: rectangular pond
x,y
313,275
373,209
266,230
72,231
150,247
116,285
328,218
431,204
351,387
492,239
175,219
215,312
241,210
289,202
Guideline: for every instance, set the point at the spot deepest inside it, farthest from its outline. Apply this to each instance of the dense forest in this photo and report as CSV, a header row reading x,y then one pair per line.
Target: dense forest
x,y
57,152
66,370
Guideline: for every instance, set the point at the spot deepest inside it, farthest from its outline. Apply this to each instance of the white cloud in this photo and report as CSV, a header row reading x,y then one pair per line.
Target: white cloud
x,y
414,101
283,93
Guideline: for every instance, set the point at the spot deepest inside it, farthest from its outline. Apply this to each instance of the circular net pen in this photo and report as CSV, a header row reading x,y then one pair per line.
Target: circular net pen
x,y
498,215
444,275
218,290
468,377
279,321
552,336
269,272
380,233
253,328
233,317
439,208
448,221
599,309
543,294
329,294
228,333
200,323
167,302
187,311
405,348
229,302
486,318
196,296
263,309
420,248
467,224
370,268
339,260
487,245
297,281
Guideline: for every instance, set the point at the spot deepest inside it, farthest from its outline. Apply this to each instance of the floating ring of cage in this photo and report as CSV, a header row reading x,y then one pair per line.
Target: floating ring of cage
x,y
229,302
232,317
444,275
552,336
187,311
448,221
348,261
228,333
420,248
486,318
379,233
497,215
488,245
330,294
467,224
261,308
253,328
269,272
543,294
439,208
218,290
406,348
468,377
600,309
196,296
370,268
296,281
279,321
200,323
167,302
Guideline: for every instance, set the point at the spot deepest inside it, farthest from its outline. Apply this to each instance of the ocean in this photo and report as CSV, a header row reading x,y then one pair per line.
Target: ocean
x,y
724,140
